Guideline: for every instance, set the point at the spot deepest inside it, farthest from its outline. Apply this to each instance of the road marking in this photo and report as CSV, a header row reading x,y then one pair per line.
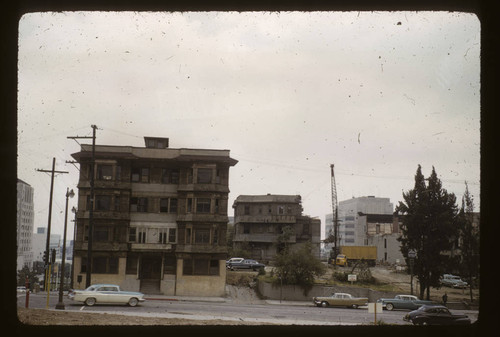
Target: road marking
x,y
83,307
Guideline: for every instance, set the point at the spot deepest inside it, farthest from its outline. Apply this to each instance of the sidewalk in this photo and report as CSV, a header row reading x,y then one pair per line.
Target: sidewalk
x,y
218,300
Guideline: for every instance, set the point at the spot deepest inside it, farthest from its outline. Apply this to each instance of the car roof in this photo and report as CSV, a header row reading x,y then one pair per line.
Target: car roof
x,y
104,285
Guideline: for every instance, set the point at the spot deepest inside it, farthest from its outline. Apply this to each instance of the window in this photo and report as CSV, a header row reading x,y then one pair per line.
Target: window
x,y
168,205
132,234
216,236
172,233
188,236
138,204
201,266
173,205
105,265
247,210
118,173
169,176
131,267
204,176
305,229
102,202
189,207
169,265
142,236
101,233
164,205
202,236
203,205
246,228
281,210
104,172
385,244
162,236
187,267
140,175
214,267
190,176
217,206
117,207
217,176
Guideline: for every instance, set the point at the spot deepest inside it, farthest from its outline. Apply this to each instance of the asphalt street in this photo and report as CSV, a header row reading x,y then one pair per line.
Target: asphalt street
x,y
302,313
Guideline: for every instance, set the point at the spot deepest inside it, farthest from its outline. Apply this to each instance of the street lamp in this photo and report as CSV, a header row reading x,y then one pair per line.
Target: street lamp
x,y
60,304
73,210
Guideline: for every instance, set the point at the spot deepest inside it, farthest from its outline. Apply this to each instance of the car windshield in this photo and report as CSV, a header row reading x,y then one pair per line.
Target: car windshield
x,y
91,288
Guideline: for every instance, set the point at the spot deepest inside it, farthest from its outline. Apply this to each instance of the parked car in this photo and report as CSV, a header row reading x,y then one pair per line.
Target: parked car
x,y
21,289
434,315
246,264
453,281
105,294
233,260
403,302
340,299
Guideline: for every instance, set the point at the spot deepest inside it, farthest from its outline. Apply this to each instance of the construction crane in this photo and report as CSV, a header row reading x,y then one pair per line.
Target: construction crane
x,y
335,217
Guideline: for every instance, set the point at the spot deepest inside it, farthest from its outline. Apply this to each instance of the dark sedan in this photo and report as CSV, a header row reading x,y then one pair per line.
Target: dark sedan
x,y
246,264
435,315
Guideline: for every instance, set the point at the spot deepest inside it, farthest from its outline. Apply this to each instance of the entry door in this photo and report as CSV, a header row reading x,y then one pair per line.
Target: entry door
x,y
151,268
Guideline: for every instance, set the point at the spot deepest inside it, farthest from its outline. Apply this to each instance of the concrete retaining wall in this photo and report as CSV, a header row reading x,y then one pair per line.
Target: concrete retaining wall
x,y
296,293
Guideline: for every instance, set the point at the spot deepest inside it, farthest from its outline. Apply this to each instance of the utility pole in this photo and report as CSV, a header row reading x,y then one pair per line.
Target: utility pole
x,y
47,243
91,208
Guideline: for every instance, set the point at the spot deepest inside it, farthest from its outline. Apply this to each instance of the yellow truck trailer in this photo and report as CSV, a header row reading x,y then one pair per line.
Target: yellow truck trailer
x,y
358,253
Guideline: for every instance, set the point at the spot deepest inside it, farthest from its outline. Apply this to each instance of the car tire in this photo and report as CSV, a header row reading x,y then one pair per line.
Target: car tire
x,y
133,302
90,301
324,304
389,306
354,306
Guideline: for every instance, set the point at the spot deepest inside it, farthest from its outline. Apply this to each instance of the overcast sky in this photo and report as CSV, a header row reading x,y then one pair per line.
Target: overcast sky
x,y
288,93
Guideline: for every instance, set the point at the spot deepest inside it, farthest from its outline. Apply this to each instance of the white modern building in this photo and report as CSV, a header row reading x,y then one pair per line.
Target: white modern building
x,y
351,232
25,220
39,243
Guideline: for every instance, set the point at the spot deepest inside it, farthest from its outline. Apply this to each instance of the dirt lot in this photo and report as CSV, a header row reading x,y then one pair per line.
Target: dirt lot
x,y
53,317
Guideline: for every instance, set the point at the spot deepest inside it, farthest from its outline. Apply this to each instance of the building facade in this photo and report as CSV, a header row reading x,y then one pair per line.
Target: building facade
x,y
351,232
260,219
39,243
159,218
25,221
383,231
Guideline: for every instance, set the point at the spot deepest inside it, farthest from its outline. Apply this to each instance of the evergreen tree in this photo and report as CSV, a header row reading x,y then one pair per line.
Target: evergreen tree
x,y
427,227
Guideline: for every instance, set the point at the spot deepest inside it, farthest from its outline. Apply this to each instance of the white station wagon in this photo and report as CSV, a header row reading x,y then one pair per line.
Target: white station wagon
x,y
106,294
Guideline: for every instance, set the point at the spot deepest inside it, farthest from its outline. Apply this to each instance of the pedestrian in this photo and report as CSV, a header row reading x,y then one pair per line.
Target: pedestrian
x,y
445,298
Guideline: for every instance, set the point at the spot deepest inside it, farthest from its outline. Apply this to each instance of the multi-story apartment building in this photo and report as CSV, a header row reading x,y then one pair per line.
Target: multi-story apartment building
x,y
159,218
25,220
259,220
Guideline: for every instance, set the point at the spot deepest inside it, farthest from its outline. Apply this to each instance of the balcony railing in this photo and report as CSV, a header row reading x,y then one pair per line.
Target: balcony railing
x,y
266,218
270,238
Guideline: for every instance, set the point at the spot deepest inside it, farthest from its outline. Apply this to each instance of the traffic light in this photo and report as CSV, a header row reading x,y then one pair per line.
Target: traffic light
x,y
45,257
53,257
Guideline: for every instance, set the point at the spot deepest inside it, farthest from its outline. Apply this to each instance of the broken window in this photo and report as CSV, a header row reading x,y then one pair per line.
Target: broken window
x,y
138,204
104,172
140,175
